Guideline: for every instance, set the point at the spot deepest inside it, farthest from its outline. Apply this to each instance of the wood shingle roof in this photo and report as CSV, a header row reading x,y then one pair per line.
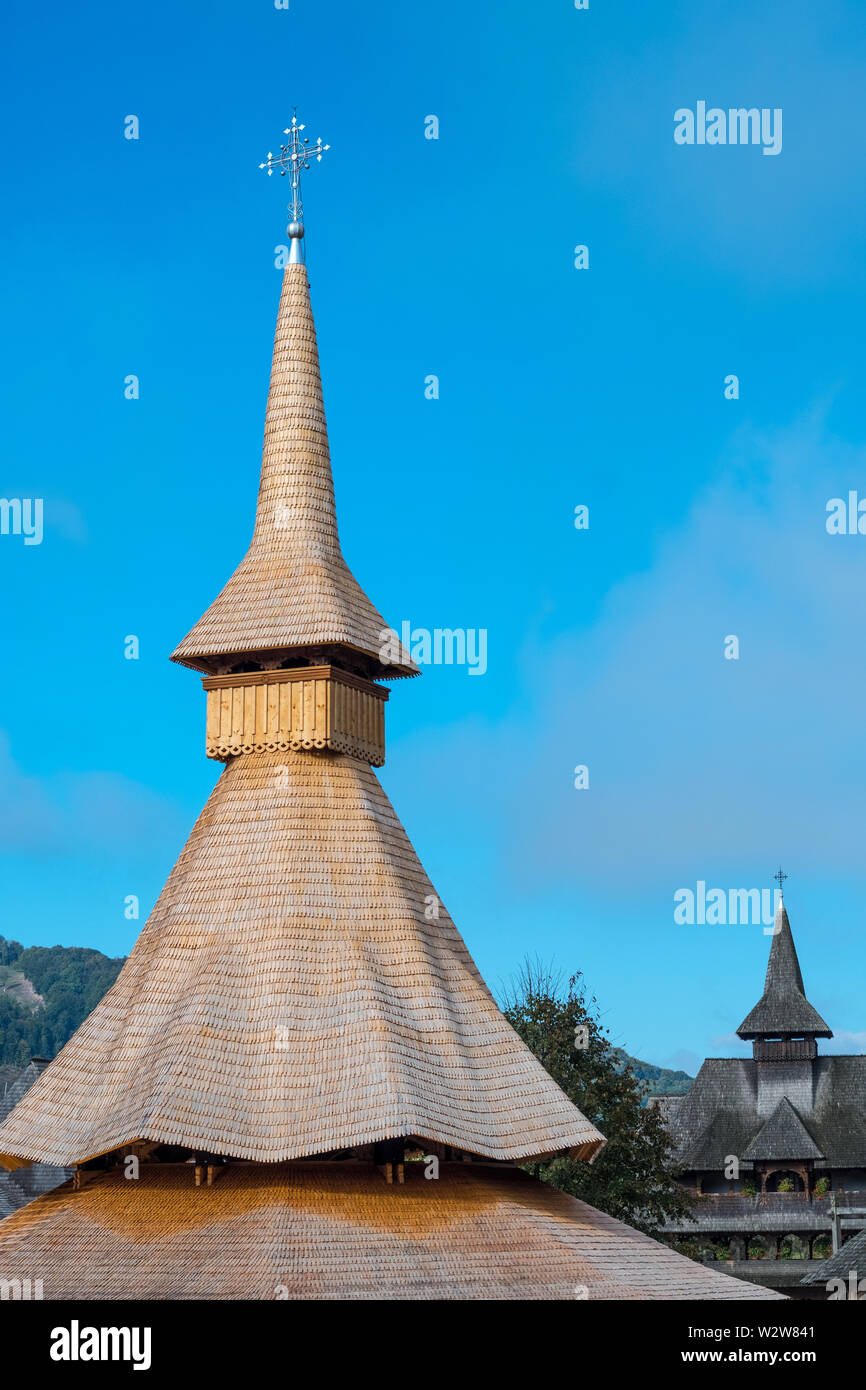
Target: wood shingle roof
x,y
783,1009
782,1136
720,1115
293,589
337,1231
298,988
739,1106
849,1261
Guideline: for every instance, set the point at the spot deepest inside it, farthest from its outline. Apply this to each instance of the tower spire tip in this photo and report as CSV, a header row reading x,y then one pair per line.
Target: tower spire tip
x,y
294,156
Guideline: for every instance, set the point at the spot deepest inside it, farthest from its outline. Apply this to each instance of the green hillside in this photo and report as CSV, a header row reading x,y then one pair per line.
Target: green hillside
x,y
658,1081
45,993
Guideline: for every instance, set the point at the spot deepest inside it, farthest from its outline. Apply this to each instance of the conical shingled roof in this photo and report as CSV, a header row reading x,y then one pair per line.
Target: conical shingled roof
x,y
293,589
782,1136
293,993
783,1009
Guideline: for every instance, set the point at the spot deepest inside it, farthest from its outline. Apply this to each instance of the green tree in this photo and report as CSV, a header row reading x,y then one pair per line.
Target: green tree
x,y
71,980
9,951
633,1176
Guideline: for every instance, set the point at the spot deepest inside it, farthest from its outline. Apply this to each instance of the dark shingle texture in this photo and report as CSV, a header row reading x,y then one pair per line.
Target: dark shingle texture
x,y
852,1256
782,1136
783,1008
719,1116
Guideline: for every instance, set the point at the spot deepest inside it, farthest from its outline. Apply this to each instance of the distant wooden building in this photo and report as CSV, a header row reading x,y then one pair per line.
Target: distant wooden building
x,y
299,1085
773,1146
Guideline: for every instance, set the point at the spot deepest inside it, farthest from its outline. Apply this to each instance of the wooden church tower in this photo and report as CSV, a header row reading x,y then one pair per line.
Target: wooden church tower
x,y
300,1017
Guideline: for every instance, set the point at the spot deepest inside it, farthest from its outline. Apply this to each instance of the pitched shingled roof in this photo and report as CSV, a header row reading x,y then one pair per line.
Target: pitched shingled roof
x,y
782,1136
293,589
337,1231
783,1009
294,991
722,1114
851,1258
719,1116
21,1085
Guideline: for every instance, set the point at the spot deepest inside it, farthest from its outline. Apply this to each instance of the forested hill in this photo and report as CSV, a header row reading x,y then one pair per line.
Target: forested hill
x,y
658,1081
45,993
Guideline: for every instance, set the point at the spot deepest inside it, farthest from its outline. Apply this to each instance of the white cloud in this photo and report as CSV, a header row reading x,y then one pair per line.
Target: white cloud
x,y
845,1041
793,216
70,813
692,755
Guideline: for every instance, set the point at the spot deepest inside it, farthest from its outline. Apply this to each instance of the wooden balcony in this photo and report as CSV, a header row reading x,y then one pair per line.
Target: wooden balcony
x,y
310,708
784,1049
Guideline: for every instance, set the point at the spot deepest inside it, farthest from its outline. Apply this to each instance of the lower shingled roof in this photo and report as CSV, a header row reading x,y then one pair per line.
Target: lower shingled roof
x,y
338,1231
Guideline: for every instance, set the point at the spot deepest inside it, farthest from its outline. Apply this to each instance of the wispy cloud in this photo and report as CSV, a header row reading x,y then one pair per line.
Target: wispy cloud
x,y
71,813
727,206
67,519
845,1041
690,754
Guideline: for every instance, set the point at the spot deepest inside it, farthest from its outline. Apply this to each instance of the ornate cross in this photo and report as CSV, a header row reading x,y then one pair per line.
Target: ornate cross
x,y
780,878
293,157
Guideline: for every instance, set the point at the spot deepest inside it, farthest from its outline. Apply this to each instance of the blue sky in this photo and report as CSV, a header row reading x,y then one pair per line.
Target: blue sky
x,y
558,387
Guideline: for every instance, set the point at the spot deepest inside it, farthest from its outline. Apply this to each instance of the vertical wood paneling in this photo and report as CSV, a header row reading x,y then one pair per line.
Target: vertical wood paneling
x,y
248,732
311,709
287,695
225,716
273,724
213,716
237,714
335,708
322,730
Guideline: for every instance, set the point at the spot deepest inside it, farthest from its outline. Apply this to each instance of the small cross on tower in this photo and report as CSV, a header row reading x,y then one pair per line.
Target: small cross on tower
x,y
780,879
293,157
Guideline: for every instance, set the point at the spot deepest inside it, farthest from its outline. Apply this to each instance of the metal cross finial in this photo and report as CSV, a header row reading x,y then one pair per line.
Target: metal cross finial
x,y
780,878
293,157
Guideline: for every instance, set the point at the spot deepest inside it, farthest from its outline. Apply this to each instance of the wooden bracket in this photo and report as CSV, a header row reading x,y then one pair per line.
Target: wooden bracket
x,y
82,1176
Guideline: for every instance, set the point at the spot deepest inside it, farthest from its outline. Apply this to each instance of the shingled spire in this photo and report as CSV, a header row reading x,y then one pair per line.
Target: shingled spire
x,y
783,1011
293,597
